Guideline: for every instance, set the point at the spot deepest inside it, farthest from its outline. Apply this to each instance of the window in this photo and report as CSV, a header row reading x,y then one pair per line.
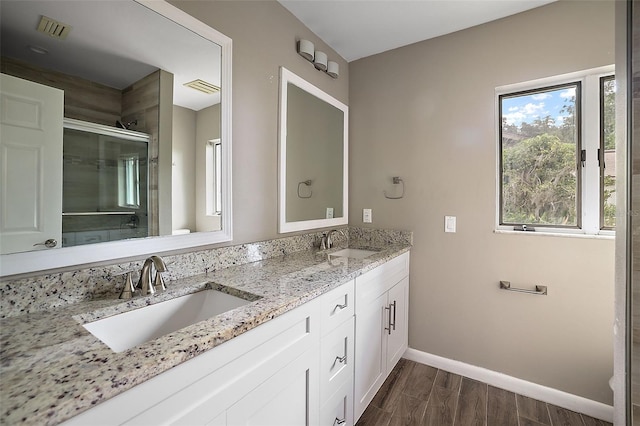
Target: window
x,y
129,181
557,154
607,152
213,171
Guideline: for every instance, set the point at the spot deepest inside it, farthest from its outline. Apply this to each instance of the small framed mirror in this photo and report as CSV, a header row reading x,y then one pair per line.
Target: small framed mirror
x,y
313,156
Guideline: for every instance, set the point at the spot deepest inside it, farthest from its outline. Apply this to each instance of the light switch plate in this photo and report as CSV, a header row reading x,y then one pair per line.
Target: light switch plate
x,y
329,213
449,224
366,216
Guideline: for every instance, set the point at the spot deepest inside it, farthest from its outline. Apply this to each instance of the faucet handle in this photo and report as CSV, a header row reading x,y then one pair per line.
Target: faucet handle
x,y
128,289
324,239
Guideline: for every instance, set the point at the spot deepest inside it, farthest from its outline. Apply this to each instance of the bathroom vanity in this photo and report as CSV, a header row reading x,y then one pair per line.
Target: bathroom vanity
x,y
289,355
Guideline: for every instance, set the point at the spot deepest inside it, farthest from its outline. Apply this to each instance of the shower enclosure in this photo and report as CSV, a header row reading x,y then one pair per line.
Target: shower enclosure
x,y
105,183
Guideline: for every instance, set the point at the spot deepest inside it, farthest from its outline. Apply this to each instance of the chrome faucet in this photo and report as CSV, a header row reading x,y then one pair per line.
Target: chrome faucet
x,y
144,283
329,241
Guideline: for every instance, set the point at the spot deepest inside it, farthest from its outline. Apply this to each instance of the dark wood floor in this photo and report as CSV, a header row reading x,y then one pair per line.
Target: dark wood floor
x,y
417,394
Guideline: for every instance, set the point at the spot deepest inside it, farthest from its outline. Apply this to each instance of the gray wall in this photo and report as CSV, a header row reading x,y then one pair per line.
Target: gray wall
x,y
183,160
426,113
315,148
264,38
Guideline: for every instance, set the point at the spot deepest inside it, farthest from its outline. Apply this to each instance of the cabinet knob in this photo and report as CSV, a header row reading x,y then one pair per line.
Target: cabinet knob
x,y
338,421
341,359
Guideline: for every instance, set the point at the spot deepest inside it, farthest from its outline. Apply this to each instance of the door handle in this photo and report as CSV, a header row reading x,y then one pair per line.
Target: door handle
x,y
393,324
50,243
388,328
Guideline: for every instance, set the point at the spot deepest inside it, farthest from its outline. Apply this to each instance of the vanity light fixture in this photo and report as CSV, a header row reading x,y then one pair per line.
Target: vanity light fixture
x,y
306,49
320,60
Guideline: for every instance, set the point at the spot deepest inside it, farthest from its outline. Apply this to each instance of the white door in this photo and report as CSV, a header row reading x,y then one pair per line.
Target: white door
x,y
30,165
370,351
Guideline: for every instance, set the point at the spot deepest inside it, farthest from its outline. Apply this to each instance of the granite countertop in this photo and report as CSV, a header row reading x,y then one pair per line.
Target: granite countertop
x,y
51,368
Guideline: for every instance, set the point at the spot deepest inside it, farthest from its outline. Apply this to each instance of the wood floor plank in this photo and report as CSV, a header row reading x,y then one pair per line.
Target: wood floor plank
x,y
523,421
408,411
590,421
392,388
447,380
373,416
420,381
533,409
441,408
472,403
563,417
501,407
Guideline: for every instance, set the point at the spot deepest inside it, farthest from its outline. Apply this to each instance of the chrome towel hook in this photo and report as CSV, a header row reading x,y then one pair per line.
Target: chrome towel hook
x,y
308,184
396,181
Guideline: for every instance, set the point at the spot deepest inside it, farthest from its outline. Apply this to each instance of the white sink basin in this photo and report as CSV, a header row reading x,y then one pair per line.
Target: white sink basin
x,y
124,331
353,253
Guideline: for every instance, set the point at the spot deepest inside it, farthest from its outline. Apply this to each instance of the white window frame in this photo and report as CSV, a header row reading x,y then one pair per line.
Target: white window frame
x,y
213,180
590,135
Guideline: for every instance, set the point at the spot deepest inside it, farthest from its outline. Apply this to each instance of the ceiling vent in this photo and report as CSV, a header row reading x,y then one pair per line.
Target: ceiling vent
x,y
203,86
53,28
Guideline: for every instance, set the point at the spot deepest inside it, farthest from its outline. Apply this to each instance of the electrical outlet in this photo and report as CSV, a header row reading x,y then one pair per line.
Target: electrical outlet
x,y
450,224
367,216
329,213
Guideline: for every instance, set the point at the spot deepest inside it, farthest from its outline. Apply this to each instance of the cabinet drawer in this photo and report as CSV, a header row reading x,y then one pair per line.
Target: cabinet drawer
x,y
336,359
372,284
338,410
337,306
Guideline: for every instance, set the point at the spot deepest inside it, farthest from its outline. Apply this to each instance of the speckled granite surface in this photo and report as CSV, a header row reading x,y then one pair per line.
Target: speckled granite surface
x,y
51,368
47,291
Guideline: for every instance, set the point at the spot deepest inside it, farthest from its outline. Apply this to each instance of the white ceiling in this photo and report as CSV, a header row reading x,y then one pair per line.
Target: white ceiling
x,y
114,43
359,28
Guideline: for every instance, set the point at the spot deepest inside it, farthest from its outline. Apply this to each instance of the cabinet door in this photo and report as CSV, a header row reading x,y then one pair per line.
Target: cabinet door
x,y
289,398
371,351
397,338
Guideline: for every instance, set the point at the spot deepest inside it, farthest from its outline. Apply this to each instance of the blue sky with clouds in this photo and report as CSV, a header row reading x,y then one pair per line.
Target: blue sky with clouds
x,y
528,108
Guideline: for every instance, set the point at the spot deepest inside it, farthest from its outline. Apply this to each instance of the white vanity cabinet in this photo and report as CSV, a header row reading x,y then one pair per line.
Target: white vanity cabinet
x,y
268,375
283,372
337,356
382,301
318,364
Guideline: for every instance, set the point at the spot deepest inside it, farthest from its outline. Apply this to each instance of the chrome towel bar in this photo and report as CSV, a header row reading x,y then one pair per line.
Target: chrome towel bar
x,y
541,290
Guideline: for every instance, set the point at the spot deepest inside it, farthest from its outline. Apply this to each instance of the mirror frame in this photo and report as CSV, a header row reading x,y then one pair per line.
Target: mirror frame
x,y
42,260
287,77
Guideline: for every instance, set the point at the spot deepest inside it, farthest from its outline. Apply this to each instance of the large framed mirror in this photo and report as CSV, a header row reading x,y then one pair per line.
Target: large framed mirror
x,y
313,156
136,158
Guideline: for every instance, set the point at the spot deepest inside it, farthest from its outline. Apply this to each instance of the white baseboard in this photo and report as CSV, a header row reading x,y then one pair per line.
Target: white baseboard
x,y
513,384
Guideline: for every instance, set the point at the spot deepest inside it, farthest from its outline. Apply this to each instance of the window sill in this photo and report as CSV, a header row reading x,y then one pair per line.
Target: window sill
x,y
557,234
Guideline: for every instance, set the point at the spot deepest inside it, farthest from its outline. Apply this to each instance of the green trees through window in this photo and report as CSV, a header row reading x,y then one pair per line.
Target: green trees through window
x,y
540,148
549,170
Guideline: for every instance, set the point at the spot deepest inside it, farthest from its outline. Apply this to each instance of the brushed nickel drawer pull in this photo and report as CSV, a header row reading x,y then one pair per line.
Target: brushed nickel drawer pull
x,y
338,306
388,328
541,290
393,324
